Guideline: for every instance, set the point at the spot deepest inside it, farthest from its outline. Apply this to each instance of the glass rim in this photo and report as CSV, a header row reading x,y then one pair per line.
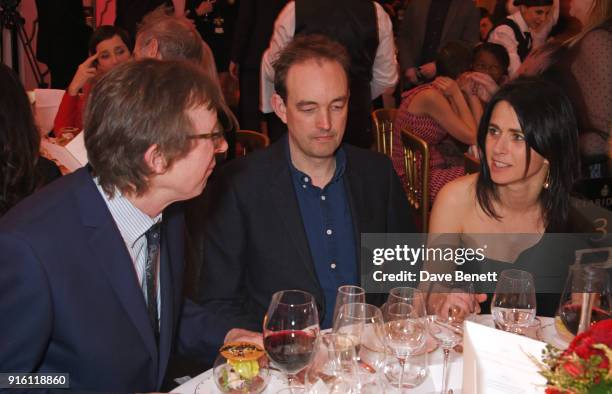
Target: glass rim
x,y
277,295
515,274
352,287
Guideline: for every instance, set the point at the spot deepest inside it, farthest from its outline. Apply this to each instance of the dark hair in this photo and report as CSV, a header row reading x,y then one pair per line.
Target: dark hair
x,y
453,59
176,36
307,47
533,3
549,125
106,32
497,50
140,104
484,13
19,142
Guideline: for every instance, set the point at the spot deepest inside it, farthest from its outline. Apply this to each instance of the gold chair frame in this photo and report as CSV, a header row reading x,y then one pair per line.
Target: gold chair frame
x,y
416,167
383,128
251,141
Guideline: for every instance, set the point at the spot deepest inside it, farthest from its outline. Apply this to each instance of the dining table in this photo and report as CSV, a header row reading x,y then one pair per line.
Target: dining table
x,y
204,383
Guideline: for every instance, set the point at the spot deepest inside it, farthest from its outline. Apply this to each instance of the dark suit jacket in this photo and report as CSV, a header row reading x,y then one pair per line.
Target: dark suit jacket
x,y
461,23
254,238
70,300
253,31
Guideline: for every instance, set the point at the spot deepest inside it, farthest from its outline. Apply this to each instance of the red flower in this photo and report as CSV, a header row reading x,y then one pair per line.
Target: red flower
x,y
573,369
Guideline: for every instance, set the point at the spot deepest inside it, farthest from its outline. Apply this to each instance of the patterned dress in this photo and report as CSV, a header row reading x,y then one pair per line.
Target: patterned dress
x,y
429,130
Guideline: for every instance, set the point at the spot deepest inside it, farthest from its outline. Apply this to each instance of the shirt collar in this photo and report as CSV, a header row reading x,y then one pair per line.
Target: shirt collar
x,y
301,177
131,221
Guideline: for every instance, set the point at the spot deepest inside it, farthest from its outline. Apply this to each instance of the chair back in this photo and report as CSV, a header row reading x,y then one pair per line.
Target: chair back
x,y
248,141
383,128
416,167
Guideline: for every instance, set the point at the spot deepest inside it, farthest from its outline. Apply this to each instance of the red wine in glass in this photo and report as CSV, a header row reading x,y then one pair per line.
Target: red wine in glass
x,y
570,316
290,350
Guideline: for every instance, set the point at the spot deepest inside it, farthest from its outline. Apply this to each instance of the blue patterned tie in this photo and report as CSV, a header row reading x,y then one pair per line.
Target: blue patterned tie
x,y
153,238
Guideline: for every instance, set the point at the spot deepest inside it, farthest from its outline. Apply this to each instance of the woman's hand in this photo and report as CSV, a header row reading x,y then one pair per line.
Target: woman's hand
x,y
457,304
84,73
486,87
466,84
447,86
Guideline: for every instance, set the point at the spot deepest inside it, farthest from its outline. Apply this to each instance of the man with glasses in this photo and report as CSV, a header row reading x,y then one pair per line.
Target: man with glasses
x,y
92,266
291,216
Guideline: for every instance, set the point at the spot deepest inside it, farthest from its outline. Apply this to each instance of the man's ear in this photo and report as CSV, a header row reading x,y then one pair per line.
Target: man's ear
x,y
152,49
278,104
155,160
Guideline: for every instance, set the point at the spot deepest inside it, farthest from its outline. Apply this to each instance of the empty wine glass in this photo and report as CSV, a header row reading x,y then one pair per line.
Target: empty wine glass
x,y
405,325
290,329
363,323
514,303
348,294
334,366
449,313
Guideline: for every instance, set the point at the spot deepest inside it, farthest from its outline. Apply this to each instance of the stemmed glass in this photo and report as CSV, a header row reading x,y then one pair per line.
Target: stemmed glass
x,y
514,303
405,325
348,294
446,322
363,323
290,329
334,366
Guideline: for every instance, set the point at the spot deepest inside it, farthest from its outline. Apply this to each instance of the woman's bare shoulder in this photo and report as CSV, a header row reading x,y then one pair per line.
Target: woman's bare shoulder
x,y
453,204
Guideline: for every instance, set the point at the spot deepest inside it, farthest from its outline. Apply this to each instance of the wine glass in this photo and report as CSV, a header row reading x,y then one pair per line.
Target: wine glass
x,y
514,303
348,294
449,313
334,366
405,325
363,323
290,329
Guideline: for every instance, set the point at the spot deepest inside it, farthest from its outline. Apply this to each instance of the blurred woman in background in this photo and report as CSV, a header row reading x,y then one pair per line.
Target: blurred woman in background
x,y
108,47
22,170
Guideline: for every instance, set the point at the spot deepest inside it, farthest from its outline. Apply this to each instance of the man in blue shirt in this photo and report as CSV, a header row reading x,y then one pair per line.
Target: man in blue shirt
x,y
291,216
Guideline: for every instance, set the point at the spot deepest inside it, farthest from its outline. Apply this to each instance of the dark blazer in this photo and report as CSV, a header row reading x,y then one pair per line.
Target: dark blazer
x,y
69,296
253,30
254,238
461,23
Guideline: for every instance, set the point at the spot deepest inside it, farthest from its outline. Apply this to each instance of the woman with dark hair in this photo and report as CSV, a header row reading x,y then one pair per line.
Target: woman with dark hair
x,y
22,170
528,144
108,47
435,110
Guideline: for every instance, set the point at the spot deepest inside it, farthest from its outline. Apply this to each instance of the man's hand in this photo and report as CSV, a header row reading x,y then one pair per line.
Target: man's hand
x,y
241,335
411,75
428,70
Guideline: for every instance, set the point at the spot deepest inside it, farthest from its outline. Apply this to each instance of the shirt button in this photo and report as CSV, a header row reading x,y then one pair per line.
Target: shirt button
x,y
333,266
323,198
328,232
304,186
305,179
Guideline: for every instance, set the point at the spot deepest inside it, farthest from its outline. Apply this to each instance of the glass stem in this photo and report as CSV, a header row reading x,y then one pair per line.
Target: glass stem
x,y
445,369
291,379
400,379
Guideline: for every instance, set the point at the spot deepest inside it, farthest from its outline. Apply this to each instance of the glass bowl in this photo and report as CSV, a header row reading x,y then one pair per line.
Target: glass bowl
x,y
241,367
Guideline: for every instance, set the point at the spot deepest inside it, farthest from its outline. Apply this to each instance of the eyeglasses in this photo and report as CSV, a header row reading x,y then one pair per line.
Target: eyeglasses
x,y
216,137
486,67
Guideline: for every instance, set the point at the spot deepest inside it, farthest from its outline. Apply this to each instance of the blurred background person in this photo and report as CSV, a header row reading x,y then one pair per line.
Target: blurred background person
x,y
435,110
516,32
108,47
486,23
22,169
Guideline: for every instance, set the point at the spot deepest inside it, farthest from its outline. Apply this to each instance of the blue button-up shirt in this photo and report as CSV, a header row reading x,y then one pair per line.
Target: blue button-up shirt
x,y
328,223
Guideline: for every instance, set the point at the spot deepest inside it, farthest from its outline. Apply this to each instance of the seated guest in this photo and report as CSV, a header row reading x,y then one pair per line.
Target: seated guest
x,y
434,110
528,153
290,216
516,31
97,256
489,71
108,47
22,169
486,23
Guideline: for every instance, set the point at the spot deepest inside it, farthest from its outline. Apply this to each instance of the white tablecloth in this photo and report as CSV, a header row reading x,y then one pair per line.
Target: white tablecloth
x,y
204,384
